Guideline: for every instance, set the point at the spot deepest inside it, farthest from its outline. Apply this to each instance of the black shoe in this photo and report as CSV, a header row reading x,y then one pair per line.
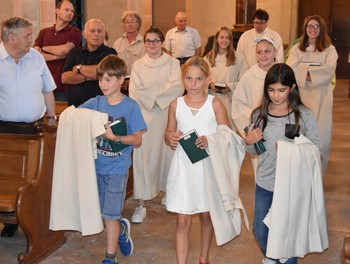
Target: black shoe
x,y
9,230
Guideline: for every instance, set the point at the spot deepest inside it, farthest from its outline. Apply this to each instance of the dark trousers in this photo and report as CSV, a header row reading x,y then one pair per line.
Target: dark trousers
x,y
183,60
19,127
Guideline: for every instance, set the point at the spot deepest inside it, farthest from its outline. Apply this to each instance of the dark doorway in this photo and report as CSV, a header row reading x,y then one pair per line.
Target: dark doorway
x,y
336,14
340,34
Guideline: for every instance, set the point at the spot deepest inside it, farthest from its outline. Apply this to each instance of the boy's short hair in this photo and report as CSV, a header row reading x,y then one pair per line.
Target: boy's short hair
x,y
112,65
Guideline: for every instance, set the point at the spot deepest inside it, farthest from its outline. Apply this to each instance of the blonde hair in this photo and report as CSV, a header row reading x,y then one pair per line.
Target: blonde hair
x,y
196,61
230,55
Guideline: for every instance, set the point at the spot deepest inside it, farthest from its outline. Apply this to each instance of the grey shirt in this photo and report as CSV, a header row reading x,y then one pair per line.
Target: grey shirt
x,y
274,131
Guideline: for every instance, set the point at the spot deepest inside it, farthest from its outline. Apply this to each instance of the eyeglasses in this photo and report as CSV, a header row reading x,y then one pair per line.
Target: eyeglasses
x,y
155,41
313,26
130,22
259,23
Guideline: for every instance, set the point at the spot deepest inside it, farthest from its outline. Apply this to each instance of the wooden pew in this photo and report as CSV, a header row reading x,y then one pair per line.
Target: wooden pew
x,y
26,163
347,248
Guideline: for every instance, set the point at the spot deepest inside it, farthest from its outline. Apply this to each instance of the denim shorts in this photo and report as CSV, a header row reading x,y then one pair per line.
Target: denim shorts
x,y
112,191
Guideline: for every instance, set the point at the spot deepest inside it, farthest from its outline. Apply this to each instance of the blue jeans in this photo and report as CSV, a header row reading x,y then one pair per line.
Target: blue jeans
x,y
262,204
112,191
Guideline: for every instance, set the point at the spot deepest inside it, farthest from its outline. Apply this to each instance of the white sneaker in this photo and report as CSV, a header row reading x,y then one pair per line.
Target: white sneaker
x,y
163,201
139,215
268,261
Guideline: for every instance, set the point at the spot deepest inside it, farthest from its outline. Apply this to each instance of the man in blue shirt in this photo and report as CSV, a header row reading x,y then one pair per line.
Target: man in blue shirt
x,y
26,85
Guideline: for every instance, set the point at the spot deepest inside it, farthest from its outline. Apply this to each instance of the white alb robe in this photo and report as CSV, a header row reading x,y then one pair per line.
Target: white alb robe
x,y
221,177
297,217
230,75
316,93
247,97
154,84
74,201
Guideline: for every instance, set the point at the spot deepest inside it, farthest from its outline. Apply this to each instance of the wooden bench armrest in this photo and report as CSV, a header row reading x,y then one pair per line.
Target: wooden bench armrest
x,y
27,190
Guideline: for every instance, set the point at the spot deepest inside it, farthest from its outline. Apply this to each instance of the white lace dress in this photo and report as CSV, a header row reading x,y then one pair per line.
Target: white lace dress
x,y
185,189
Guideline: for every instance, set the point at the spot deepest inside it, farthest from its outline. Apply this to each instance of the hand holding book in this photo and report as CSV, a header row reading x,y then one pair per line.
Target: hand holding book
x,y
217,87
195,148
118,128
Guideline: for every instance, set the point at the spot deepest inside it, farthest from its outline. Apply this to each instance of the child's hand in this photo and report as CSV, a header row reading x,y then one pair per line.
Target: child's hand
x,y
226,90
174,139
109,133
202,142
212,86
253,135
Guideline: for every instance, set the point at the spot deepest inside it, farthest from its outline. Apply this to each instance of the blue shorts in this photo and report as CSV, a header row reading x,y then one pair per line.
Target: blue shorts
x,y
112,191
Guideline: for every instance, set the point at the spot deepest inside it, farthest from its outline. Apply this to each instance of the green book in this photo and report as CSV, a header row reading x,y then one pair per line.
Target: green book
x,y
188,143
119,128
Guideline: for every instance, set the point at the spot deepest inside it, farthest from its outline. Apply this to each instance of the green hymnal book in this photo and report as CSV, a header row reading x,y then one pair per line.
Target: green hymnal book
x,y
188,143
119,128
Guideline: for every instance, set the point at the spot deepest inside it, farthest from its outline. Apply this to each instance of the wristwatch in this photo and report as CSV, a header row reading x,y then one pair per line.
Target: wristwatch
x,y
79,68
119,139
54,117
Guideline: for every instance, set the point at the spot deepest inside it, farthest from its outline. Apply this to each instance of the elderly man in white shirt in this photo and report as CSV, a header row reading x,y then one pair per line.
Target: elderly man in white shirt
x,y
247,42
182,41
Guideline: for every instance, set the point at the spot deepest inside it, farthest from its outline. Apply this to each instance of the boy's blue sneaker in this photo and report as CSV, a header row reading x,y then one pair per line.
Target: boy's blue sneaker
x,y
125,243
108,261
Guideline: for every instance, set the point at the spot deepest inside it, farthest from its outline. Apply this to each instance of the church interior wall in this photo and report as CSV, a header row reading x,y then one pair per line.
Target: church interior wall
x,y
205,15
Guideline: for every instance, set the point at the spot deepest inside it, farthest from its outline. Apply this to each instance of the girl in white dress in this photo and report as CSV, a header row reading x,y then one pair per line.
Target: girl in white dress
x,y
155,81
226,68
186,193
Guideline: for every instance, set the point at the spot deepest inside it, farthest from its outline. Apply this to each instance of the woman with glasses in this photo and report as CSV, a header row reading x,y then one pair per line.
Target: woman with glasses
x,y
226,68
314,60
155,81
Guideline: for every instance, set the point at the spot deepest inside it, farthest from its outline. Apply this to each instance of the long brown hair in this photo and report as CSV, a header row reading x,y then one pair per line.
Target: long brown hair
x,y
323,41
230,55
283,74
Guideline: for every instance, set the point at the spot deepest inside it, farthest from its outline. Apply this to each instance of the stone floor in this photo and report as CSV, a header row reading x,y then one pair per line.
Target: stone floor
x,y
154,239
